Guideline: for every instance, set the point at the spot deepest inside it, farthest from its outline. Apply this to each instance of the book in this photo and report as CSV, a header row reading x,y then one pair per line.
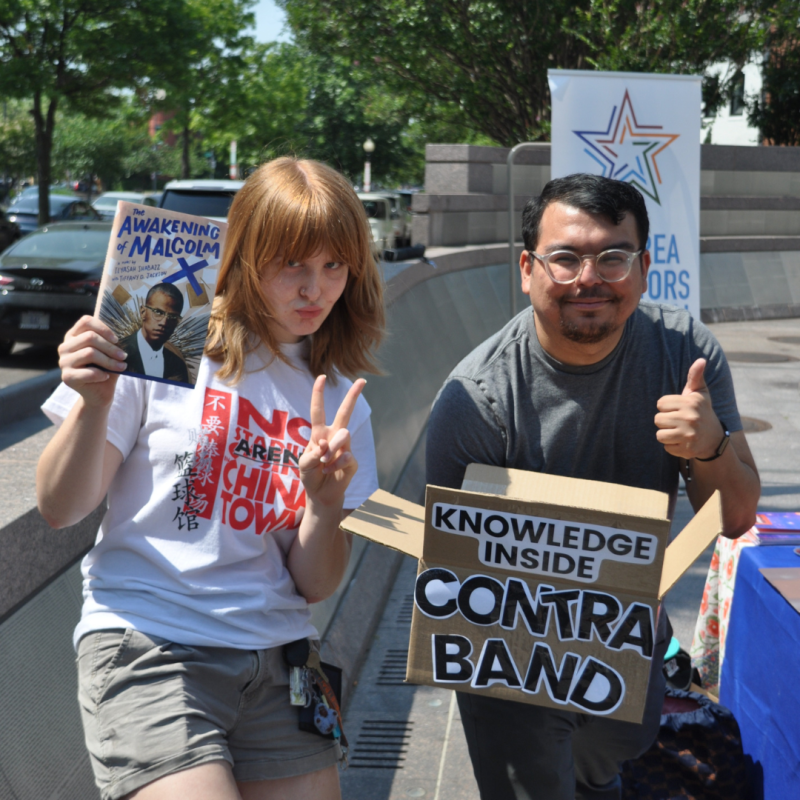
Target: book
x,y
157,289
778,527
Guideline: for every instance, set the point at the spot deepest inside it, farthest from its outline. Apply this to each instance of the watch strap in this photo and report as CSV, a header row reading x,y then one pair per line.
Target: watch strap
x,y
720,447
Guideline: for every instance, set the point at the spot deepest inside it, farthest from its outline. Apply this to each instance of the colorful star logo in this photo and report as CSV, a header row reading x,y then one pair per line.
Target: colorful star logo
x,y
627,150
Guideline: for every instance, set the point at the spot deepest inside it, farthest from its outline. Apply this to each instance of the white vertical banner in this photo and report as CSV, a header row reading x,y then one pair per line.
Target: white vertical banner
x,y
645,130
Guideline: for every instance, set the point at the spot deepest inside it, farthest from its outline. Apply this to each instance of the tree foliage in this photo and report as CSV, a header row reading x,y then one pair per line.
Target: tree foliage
x,y
488,59
207,63
17,150
74,54
114,148
777,112
262,107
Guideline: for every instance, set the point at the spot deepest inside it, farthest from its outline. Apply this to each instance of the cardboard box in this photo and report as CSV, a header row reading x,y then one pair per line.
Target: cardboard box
x,y
538,588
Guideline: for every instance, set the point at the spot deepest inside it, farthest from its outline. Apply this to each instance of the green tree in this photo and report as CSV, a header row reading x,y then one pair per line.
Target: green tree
x,y
208,61
777,112
489,59
262,108
17,151
114,147
345,106
60,54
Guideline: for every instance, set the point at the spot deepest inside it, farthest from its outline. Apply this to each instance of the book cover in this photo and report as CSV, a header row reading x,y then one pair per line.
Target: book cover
x,y
772,521
778,527
158,285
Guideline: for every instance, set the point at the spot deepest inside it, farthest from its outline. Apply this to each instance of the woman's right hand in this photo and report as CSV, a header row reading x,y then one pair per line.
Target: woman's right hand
x,y
90,344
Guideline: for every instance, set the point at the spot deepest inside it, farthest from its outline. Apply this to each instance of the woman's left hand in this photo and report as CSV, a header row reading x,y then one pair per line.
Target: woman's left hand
x,y
327,466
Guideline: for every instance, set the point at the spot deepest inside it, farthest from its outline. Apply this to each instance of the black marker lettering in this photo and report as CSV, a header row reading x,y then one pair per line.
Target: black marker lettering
x,y
571,537
614,691
587,545
451,662
637,615
518,599
421,597
465,520
443,518
619,544
585,567
527,530
561,601
496,665
642,548
500,552
558,682
468,588
590,617
493,520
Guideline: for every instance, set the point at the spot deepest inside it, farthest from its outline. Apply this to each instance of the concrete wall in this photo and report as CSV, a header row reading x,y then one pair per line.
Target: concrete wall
x,y
749,207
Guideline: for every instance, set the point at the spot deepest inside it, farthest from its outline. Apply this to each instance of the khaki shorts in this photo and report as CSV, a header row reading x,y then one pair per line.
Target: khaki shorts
x,y
151,707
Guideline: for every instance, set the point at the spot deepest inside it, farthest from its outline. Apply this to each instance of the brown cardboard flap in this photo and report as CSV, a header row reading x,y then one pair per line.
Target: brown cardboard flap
x,y
537,487
390,521
687,546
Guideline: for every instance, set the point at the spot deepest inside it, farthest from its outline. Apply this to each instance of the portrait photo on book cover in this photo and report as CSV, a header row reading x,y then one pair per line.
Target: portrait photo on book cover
x,y
161,326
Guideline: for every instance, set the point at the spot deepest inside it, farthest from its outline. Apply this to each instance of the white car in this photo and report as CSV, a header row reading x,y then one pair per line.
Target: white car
x,y
106,203
388,220
203,197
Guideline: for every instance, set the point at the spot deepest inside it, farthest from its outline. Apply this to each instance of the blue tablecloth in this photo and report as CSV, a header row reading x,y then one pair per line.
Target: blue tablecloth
x,y
761,672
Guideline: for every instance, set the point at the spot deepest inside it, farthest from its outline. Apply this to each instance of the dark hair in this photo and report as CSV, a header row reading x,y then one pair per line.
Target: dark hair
x,y
171,291
593,193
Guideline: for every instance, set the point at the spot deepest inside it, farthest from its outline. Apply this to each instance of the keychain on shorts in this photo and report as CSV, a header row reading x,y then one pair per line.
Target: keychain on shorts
x,y
310,688
296,655
327,714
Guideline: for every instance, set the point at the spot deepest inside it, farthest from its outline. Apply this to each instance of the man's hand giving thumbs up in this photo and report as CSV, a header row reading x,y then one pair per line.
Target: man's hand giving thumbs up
x,y
688,426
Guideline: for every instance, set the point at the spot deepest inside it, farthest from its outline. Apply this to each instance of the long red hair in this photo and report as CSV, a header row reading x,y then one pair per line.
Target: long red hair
x,y
295,208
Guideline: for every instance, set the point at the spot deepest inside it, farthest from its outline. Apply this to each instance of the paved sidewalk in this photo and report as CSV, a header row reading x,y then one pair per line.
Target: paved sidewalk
x,y
407,741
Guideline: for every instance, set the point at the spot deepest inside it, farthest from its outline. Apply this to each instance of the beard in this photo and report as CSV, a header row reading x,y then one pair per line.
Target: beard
x,y
588,331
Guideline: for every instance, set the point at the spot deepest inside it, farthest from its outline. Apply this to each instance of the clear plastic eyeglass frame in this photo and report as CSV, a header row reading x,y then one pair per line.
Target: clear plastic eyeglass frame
x,y
603,262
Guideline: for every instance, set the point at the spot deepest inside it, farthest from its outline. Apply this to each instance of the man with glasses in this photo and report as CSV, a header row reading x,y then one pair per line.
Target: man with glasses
x,y
149,351
589,383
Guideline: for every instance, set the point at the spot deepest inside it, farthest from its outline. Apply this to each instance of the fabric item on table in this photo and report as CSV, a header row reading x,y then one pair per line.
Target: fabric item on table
x,y
760,673
708,644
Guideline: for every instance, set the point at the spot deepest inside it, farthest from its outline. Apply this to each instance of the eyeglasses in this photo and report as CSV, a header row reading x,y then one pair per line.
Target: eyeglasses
x,y
160,315
564,266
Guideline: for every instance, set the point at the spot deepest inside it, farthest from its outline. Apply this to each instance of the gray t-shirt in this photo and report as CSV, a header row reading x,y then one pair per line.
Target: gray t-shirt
x,y
510,404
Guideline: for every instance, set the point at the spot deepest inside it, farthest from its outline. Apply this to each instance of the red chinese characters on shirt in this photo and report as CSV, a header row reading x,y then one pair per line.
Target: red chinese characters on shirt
x,y
255,474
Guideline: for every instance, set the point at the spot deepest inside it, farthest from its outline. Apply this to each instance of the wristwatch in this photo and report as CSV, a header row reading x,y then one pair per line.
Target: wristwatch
x,y
720,447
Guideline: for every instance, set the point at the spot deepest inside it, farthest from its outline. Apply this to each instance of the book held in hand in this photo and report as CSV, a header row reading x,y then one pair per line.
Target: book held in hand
x,y
158,285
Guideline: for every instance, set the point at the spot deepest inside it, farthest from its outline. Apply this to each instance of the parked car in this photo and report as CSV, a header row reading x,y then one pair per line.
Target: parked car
x,y
48,280
33,191
203,197
9,231
25,212
387,219
106,204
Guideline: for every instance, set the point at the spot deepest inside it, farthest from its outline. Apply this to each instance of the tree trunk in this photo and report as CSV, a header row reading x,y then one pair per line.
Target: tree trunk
x,y
43,126
186,164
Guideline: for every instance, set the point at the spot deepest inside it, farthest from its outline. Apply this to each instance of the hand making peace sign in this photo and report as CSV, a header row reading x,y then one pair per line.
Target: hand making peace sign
x,y
327,466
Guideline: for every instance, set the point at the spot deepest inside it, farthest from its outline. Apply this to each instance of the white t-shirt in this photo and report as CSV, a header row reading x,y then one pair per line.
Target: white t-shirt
x,y
207,502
